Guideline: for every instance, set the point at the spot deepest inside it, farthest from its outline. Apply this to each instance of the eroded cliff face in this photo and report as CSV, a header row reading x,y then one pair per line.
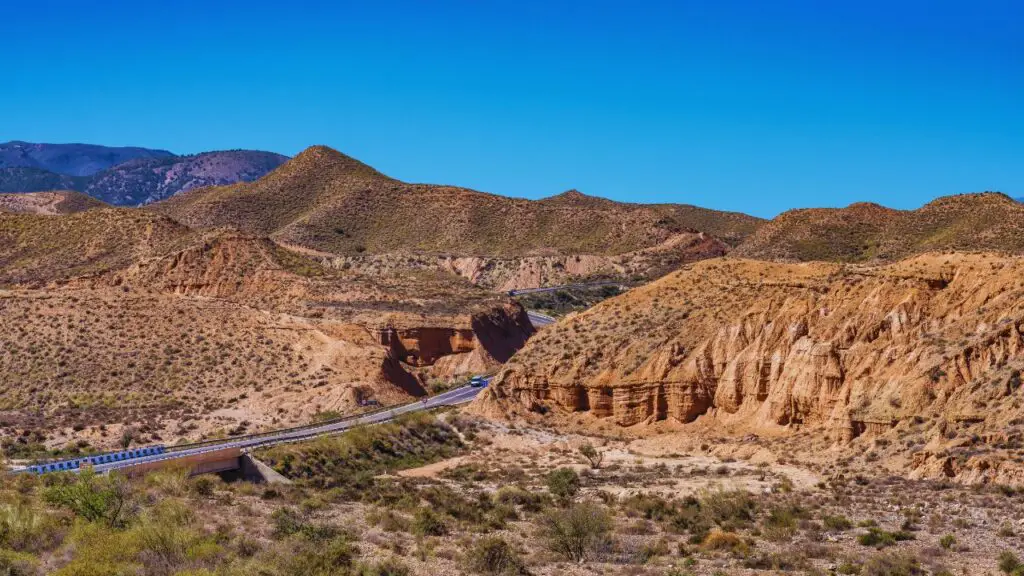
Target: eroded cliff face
x,y
932,345
490,339
544,269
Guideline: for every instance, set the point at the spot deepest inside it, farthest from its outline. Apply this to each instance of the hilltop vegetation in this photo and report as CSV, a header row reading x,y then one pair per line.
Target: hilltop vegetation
x,y
863,232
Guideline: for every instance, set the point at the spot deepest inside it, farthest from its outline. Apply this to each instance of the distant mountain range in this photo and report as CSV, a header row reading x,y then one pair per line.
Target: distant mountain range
x,y
71,159
125,176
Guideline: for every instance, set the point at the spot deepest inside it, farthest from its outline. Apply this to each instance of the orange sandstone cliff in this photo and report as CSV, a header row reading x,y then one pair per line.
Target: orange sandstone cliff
x,y
924,354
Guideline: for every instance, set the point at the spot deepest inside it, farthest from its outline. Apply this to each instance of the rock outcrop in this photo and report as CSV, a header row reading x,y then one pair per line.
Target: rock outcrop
x,y
932,345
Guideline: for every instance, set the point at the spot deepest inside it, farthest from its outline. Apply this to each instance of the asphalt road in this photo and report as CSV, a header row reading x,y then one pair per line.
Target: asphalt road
x,y
562,287
450,398
538,319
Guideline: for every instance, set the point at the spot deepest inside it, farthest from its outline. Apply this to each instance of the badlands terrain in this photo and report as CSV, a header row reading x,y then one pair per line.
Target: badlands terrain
x,y
834,391
322,286
911,367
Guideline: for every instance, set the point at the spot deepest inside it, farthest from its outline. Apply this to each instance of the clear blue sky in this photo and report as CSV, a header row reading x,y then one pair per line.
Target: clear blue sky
x,y
753,105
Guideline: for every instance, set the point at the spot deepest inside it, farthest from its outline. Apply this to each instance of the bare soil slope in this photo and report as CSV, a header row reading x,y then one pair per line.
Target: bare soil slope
x,y
52,203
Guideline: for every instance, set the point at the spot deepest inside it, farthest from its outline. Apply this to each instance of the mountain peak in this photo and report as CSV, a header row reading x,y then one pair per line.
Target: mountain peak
x,y
320,157
574,197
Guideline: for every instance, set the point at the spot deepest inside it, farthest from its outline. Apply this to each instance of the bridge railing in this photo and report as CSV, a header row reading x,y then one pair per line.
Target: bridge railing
x,y
279,431
264,439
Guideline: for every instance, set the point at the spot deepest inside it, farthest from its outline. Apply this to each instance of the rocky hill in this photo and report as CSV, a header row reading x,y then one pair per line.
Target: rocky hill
x,y
149,180
70,159
26,179
914,365
330,204
125,176
866,232
118,318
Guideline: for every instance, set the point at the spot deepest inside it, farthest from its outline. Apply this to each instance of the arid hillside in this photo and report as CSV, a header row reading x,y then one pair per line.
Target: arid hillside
x,y
868,232
917,363
124,321
37,249
334,205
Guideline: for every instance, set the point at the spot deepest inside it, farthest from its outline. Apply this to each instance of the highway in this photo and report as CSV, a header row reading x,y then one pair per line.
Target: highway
x,y
538,319
450,398
454,397
563,287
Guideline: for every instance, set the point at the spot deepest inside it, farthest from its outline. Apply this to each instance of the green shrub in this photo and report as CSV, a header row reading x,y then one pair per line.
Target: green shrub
x,y
524,499
17,564
331,558
1009,563
25,529
781,524
92,497
732,510
576,531
880,538
426,522
203,486
291,522
649,507
563,484
838,523
493,556
947,542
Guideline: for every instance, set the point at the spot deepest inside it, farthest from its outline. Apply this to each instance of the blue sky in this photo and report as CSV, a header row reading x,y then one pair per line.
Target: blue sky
x,y
749,105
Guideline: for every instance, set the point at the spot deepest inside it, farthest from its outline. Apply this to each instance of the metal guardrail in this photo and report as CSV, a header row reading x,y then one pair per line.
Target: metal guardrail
x,y
244,437
283,436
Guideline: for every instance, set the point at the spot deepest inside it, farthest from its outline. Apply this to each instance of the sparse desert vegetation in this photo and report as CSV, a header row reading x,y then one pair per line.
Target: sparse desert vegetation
x,y
485,506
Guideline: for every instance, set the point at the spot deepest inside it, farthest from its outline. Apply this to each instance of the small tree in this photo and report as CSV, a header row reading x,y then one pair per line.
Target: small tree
x,y
127,437
593,455
563,484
